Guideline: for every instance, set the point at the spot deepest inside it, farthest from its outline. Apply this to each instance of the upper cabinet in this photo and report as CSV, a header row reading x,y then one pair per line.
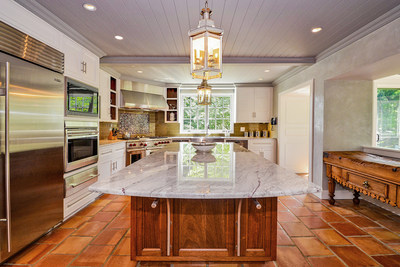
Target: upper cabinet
x,y
109,90
171,115
254,104
80,63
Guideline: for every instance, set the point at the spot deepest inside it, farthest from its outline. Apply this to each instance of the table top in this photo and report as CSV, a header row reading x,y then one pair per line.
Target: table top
x,y
229,171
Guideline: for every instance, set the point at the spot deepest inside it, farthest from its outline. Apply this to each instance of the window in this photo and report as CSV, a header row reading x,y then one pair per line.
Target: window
x,y
388,118
193,116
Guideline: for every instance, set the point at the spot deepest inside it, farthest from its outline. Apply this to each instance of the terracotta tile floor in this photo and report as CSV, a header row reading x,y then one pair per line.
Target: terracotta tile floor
x,y
310,233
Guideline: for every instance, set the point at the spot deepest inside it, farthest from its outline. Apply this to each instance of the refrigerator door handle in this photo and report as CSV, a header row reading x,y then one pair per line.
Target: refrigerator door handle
x,y
7,156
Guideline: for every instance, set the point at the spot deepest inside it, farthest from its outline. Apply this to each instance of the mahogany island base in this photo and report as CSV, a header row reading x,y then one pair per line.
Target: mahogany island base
x,y
203,230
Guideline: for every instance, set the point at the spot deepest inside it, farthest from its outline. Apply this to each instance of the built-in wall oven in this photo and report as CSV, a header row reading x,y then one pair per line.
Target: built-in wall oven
x,y
81,144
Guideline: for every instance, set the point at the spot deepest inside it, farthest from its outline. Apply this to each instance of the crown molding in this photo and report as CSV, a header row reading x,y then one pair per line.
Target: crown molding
x,y
60,25
226,60
289,74
374,25
254,85
111,71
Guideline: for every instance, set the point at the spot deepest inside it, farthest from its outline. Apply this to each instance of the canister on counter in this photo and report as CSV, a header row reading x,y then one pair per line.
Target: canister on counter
x,y
257,133
264,133
246,134
251,134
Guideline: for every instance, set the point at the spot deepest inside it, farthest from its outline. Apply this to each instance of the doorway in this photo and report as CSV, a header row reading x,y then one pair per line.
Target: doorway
x,y
295,121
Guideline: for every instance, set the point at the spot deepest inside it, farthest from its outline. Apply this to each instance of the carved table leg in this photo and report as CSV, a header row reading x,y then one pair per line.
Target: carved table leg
x,y
356,194
331,184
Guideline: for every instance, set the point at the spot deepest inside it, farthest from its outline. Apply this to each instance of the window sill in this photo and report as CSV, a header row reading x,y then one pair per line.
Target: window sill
x,y
387,152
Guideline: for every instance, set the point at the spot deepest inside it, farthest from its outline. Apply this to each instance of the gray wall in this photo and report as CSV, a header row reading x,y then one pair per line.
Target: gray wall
x,y
347,115
381,44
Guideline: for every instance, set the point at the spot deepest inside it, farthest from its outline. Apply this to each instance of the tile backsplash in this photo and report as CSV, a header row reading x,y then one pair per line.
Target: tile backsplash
x,y
135,124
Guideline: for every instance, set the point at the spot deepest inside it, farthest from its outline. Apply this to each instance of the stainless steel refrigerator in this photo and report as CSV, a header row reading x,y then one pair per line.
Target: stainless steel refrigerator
x,y
31,139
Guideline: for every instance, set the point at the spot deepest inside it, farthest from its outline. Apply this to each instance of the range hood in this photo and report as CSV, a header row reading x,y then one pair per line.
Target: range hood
x,y
139,100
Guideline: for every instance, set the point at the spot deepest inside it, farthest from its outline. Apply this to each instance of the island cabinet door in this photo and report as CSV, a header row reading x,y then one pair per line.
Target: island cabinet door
x,y
203,228
149,227
258,230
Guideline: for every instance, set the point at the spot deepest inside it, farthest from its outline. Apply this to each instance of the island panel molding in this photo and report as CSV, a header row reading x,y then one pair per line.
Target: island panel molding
x,y
218,230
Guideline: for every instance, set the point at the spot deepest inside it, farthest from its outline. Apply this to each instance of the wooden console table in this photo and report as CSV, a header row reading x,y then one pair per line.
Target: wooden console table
x,y
372,175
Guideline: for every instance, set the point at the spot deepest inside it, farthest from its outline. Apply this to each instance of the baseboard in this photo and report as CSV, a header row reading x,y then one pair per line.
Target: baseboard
x,y
339,194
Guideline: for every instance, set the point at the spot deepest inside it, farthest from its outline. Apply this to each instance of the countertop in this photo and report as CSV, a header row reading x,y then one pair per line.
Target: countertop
x,y
220,137
110,142
176,171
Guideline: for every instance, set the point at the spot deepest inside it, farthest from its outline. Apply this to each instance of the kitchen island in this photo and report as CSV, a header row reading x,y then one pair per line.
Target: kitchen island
x,y
218,206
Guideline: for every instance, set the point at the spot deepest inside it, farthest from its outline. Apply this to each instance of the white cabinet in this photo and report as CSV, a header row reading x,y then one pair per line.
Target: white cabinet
x,y
265,147
254,104
111,159
80,63
109,90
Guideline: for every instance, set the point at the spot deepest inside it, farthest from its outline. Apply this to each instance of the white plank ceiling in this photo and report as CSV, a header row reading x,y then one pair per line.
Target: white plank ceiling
x,y
252,28
259,28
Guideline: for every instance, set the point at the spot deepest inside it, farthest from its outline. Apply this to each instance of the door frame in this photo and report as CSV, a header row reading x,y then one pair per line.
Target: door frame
x,y
309,84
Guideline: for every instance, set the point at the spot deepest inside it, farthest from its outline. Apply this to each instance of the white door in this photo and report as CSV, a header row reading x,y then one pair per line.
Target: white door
x,y
294,125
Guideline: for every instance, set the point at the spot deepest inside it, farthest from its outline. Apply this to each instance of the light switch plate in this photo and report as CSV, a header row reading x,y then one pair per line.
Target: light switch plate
x,y
242,129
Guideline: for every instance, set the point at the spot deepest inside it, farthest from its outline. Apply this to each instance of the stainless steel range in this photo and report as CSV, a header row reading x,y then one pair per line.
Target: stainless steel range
x,y
141,147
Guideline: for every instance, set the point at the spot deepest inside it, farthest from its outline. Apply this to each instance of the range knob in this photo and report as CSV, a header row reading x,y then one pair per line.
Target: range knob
x,y
134,144
145,144
130,145
155,144
141,144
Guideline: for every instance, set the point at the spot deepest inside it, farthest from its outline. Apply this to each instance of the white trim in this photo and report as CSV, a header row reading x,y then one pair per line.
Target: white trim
x,y
309,84
181,107
381,151
339,194
375,149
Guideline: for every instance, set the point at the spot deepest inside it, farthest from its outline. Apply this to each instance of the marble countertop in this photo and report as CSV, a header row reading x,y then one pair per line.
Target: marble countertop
x,y
110,142
219,137
229,171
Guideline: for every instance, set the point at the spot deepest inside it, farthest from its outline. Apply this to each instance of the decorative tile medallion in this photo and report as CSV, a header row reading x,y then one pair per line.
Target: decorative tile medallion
x,y
134,123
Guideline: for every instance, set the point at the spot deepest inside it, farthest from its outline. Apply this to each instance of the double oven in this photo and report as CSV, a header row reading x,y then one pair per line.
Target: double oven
x,y
81,144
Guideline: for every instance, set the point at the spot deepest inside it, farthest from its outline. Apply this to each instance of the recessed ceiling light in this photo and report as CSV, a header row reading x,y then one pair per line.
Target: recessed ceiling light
x,y
266,70
89,7
118,37
316,29
139,71
260,79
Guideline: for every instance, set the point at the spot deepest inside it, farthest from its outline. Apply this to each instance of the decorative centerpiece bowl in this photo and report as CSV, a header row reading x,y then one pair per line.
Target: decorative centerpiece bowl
x,y
204,158
204,146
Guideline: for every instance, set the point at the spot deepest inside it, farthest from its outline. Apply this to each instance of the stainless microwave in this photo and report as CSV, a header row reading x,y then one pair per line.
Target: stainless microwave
x,y
81,99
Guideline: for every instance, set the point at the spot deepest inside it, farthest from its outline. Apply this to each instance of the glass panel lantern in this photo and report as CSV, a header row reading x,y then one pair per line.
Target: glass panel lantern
x,y
206,48
204,93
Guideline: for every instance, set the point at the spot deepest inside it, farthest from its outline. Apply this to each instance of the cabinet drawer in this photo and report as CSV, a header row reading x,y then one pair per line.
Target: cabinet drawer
x,y
336,173
372,186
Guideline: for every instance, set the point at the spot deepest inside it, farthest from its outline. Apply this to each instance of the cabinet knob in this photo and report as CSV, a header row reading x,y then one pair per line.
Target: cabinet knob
x,y
366,184
394,169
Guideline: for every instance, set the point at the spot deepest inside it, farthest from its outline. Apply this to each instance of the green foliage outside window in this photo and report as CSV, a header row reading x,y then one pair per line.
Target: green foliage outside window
x,y
194,115
388,117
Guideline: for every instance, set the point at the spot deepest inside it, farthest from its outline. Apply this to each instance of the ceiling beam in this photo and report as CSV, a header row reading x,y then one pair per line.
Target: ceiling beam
x,y
226,60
